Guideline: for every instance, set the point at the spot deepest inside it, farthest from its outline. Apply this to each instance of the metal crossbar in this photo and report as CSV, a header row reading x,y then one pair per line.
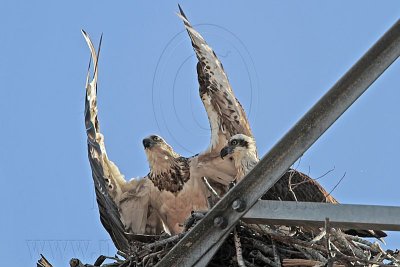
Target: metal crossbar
x,y
344,216
199,245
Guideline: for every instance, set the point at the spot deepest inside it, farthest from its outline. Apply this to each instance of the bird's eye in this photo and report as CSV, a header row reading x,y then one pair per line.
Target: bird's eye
x,y
234,142
156,138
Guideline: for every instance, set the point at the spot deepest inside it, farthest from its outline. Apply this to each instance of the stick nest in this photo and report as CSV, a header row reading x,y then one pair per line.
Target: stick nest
x,y
261,245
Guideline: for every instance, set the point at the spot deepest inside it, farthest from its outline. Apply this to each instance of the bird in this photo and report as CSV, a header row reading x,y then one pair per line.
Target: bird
x,y
173,188
225,113
146,205
179,179
178,192
292,186
124,206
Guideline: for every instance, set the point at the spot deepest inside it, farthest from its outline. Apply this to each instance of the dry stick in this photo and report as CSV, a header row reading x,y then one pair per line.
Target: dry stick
x,y
289,240
386,255
342,240
358,239
277,258
310,253
337,184
377,257
290,185
238,247
259,256
122,254
249,264
302,250
163,242
314,179
150,256
362,246
300,262
319,236
257,244
289,252
352,259
328,241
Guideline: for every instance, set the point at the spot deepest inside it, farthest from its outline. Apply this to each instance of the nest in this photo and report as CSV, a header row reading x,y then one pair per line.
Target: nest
x,y
261,245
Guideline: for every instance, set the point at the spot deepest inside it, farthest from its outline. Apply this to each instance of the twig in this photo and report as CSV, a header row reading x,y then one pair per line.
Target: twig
x,y
337,184
238,247
164,241
290,186
319,236
277,258
328,241
346,244
259,256
314,179
310,253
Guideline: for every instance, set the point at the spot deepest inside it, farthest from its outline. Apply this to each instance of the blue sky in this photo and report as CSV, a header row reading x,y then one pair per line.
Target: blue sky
x,y
280,57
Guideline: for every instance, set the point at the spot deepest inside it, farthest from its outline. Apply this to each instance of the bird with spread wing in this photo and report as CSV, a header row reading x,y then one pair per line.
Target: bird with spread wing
x,y
124,206
225,113
293,186
178,178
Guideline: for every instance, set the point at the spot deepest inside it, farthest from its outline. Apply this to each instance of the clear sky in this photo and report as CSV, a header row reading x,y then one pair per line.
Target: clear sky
x,y
280,57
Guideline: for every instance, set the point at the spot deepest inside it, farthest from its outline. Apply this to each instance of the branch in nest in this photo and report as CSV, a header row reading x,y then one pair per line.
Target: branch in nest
x,y
238,247
259,256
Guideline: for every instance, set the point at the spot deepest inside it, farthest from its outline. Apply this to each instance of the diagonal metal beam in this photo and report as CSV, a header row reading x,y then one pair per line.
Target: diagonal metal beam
x,y
274,164
313,214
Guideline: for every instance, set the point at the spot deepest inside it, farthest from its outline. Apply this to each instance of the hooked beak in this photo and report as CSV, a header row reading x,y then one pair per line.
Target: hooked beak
x,y
225,151
147,143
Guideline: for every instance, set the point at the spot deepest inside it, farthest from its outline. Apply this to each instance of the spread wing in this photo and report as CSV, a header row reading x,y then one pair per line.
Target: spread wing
x,y
123,206
225,113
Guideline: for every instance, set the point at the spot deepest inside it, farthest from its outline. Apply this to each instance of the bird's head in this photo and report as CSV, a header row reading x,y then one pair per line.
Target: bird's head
x,y
158,152
238,147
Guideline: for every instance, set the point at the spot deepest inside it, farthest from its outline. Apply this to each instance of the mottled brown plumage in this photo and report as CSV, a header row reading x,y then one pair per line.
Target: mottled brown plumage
x,y
293,186
123,206
225,113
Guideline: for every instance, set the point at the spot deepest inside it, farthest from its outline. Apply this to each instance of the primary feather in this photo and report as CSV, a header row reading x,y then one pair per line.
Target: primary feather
x,y
123,206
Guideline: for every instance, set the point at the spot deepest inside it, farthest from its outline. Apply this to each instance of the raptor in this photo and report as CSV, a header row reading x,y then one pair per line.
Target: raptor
x,y
293,186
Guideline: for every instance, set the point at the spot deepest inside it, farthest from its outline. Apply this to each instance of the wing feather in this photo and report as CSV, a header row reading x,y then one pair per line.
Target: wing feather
x,y
123,206
225,113
104,173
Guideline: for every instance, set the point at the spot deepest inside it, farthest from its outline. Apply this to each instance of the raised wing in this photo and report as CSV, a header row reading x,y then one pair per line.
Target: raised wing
x,y
225,113
123,206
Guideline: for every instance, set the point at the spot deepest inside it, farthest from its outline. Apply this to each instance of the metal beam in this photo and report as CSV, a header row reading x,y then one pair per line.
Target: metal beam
x,y
344,216
274,164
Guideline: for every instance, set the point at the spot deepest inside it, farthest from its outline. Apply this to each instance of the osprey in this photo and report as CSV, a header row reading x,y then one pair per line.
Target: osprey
x,y
124,207
173,187
225,113
179,179
177,191
293,186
